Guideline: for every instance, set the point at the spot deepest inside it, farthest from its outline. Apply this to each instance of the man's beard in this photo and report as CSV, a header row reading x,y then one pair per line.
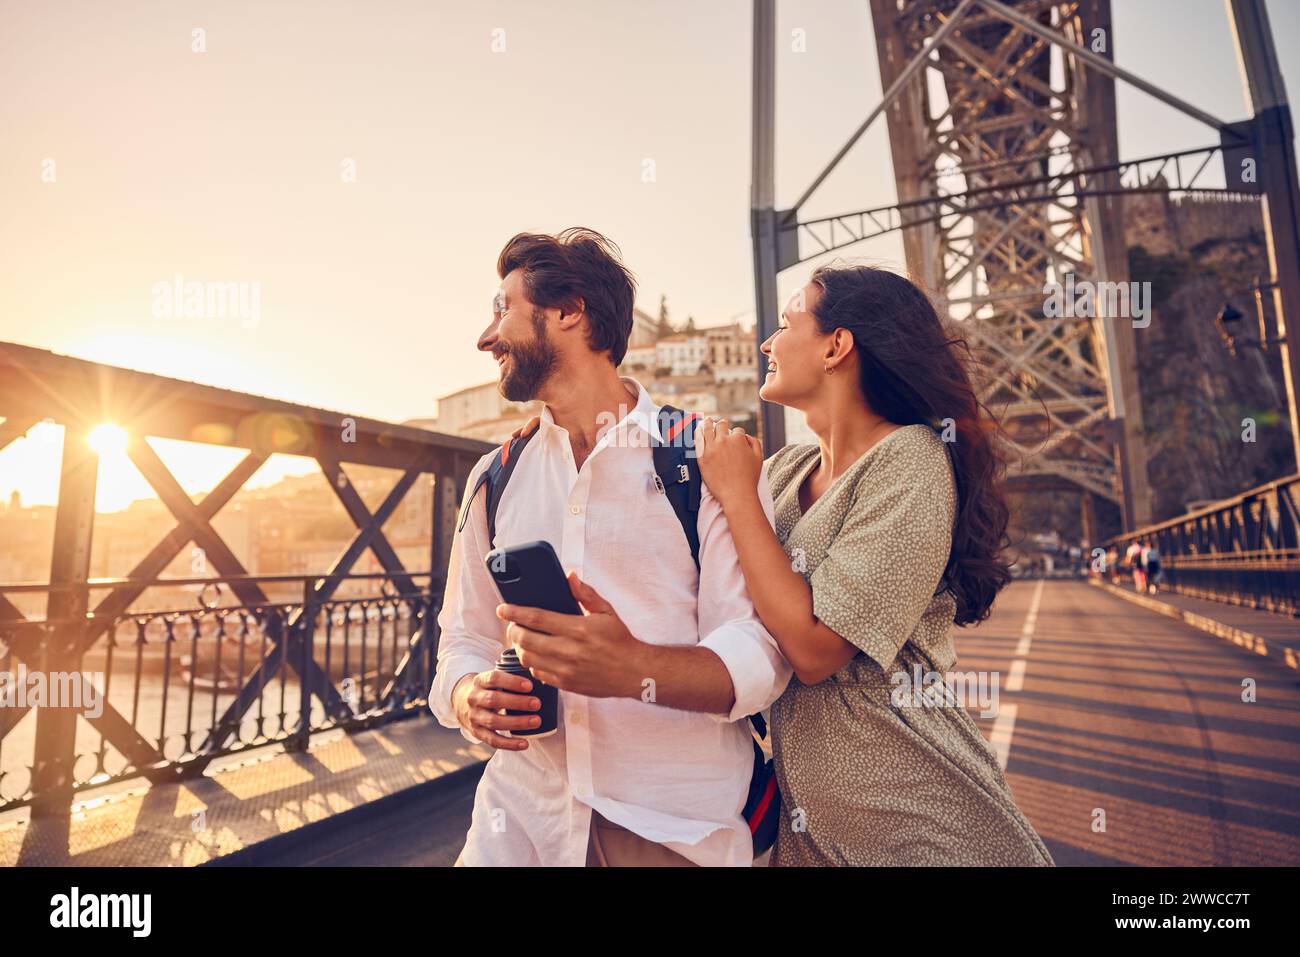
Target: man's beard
x,y
531,364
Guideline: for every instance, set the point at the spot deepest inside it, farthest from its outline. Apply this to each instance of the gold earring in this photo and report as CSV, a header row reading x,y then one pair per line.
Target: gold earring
x,y
829,370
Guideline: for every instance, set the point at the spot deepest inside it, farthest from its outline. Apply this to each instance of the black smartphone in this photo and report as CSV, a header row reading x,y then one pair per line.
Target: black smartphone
x,y
530,575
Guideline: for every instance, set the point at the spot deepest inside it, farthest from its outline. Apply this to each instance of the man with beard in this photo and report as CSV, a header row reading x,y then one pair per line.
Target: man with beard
x,y
652,761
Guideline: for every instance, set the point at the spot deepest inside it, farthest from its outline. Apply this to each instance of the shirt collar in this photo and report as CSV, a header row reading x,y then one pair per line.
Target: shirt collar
x,y
643,415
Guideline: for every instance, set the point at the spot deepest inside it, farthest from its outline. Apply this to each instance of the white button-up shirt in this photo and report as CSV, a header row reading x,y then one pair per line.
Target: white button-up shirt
x,y
675,777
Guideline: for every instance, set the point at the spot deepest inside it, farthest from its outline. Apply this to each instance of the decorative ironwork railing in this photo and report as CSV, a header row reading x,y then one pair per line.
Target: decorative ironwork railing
x,y
1244,550
165,692
118,679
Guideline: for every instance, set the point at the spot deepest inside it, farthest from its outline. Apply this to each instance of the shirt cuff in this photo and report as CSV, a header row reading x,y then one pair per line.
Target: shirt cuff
x,y
746,657
450,671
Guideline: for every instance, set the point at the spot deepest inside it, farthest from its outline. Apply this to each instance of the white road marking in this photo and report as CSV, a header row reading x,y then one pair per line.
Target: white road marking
x,y
1001,736
1031,619
1005,724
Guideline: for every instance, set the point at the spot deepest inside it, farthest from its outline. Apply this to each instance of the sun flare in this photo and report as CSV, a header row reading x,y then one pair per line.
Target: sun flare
x,y
107,438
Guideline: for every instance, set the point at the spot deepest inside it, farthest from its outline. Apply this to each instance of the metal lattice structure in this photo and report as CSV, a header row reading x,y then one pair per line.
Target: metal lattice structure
x,y
1008,151
276,660
1001,121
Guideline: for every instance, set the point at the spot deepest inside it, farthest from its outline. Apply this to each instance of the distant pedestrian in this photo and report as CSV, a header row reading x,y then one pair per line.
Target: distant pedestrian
x,y
1133,558
1151,565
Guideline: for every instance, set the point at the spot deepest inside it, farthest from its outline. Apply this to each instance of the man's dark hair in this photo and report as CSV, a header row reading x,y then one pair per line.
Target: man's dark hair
x,y
577,264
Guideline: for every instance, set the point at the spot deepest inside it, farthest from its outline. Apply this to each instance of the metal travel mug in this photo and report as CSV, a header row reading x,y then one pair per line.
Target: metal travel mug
x,y
547,695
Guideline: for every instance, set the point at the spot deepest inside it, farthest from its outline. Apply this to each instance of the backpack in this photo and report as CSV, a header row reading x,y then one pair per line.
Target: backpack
x,y
677,476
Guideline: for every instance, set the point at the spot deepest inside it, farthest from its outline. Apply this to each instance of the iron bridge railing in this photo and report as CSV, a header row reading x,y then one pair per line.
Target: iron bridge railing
x,y
105,678
1244,550
167,691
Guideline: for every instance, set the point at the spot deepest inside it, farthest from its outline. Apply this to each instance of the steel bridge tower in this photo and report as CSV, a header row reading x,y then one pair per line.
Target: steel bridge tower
x,y
1001,122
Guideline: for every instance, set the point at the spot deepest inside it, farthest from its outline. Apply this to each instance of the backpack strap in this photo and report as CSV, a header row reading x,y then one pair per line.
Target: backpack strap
x,y
497,474
676,466
678,472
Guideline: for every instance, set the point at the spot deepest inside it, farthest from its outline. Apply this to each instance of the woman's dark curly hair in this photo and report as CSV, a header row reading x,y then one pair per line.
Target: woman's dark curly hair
x,y
914,371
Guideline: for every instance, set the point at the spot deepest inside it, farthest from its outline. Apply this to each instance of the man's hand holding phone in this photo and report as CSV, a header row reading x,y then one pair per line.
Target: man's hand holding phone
x,y
591,654
479,698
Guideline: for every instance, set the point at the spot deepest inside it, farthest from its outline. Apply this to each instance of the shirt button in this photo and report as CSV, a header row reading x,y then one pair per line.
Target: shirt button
x,y
575,509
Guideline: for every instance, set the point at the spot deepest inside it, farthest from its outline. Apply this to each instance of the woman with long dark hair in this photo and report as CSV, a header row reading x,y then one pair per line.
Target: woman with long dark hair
x,y
888,531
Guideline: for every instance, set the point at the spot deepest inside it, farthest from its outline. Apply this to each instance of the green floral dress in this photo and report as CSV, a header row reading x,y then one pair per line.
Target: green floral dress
x,y
867,776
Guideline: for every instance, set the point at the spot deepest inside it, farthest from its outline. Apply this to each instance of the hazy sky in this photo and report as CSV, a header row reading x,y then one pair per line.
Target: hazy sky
x,y
227,165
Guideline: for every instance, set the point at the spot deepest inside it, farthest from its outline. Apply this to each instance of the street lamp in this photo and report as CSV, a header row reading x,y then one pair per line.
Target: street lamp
x,y
1228,322
1231,323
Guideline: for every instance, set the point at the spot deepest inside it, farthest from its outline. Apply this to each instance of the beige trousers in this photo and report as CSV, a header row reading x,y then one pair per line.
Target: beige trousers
x,y
614,846
611,845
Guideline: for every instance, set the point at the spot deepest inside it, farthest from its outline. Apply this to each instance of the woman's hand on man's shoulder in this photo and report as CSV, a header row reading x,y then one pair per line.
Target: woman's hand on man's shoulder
x,y
730,461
